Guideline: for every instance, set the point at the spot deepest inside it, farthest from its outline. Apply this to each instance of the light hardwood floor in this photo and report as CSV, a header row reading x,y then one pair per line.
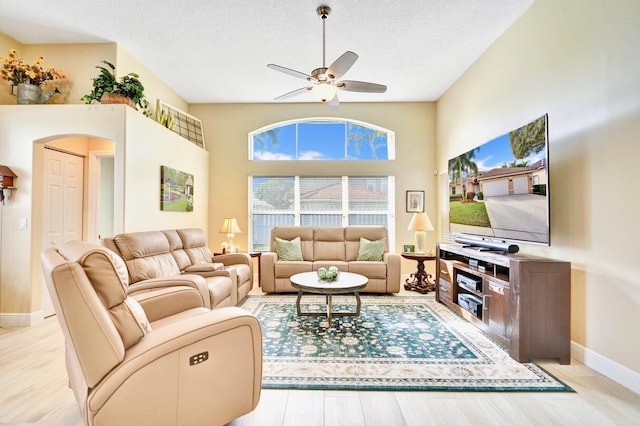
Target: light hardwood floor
x,y
33,391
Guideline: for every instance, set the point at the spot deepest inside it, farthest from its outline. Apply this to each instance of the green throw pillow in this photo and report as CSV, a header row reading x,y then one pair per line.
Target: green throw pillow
x,y
371,250
288,250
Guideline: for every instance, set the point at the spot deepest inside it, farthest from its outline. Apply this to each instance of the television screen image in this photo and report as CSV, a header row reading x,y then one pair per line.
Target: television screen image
x,y
500,190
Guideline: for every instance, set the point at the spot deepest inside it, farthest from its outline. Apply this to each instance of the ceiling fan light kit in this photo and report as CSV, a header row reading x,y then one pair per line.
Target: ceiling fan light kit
x,y
324,92
325,83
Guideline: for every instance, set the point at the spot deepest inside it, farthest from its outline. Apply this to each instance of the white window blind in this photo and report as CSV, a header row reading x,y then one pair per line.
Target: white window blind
x,y
318,201
443,184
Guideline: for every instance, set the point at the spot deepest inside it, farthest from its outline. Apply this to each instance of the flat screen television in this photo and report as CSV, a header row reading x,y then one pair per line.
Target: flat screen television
x,y
499,190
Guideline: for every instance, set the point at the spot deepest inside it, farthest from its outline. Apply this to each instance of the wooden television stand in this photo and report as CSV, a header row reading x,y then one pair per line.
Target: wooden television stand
x,y
523,302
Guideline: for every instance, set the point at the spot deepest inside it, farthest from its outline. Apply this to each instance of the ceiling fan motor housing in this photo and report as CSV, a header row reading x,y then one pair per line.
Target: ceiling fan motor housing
x,y
323,11
320,75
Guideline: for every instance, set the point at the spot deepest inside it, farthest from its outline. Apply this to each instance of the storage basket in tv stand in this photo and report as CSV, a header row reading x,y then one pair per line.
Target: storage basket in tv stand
x,y
522,302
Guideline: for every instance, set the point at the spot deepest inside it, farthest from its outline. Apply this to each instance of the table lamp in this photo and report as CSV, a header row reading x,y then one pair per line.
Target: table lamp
x,y
230,227
420,223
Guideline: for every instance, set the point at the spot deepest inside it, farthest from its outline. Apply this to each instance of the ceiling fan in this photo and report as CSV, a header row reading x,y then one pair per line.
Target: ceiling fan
x,y
325,83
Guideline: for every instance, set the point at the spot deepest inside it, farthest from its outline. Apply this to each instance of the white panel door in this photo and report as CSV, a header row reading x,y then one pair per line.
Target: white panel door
x,y
62,217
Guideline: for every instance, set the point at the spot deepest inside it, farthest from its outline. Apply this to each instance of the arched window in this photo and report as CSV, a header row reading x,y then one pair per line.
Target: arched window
x,y
322,139
289,199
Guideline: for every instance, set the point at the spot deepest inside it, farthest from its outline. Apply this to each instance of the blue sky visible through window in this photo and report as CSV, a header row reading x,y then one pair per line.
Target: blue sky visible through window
x,y
321,140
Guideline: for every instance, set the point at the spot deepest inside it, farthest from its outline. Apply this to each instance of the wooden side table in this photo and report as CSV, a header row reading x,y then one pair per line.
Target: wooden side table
x,y
420,281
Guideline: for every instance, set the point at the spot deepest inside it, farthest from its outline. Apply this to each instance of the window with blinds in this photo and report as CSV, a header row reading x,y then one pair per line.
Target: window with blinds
x,y
318,201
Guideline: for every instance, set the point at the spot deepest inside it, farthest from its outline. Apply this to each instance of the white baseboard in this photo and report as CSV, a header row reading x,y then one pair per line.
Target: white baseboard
x,y
21,320
616,372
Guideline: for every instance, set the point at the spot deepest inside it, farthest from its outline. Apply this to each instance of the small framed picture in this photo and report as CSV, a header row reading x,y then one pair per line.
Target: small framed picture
x,y
408,248
415,201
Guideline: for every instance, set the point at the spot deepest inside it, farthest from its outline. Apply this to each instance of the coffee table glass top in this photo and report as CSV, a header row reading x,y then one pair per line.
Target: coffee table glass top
x,y
347,282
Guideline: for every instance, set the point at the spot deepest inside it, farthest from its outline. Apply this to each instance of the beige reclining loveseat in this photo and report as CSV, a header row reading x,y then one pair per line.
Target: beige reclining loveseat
x,y
154,256
177,363
331,246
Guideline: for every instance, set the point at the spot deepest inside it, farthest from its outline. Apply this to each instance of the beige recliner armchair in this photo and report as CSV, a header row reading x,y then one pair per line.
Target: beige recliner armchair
x,y
194,367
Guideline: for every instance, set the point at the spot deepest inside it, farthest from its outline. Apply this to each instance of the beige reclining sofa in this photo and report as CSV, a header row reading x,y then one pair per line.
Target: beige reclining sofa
x,y
331,246
152,257
170,361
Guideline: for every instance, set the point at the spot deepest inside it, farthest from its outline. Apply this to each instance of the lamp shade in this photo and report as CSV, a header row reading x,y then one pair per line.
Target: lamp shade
x,y
230,226
420,222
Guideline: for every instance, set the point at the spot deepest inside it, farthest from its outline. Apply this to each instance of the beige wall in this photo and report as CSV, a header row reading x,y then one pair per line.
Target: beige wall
x,y
141,146
6,43
154,88
226,135
79,62
577,61
18,252
76,60
148,146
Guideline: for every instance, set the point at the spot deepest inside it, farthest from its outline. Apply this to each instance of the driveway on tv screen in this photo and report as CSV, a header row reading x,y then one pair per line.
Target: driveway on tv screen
x,y
517,217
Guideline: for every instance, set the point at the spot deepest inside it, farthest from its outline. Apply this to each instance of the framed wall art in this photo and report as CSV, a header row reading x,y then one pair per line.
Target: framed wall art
x,y
176,190
415,201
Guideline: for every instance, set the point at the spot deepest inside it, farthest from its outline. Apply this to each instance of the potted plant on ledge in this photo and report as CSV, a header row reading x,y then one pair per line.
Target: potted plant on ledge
x,y
107,89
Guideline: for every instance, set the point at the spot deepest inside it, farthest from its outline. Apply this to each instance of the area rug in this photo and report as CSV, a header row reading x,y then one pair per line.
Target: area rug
x,y
397,343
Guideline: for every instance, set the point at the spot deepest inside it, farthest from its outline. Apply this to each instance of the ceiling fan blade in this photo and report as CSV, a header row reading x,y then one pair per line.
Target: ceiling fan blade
x,y
361,86
334,103
293,93
342,64
289,71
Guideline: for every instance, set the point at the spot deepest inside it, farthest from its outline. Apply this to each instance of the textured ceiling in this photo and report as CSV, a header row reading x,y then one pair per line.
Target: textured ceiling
x,y
217,50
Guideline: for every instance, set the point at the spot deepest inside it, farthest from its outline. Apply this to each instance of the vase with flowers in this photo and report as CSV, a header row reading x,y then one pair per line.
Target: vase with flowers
x,y
28,78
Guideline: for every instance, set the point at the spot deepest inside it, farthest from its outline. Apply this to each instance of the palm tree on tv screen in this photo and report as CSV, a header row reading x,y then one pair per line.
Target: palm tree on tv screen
x,y
463,164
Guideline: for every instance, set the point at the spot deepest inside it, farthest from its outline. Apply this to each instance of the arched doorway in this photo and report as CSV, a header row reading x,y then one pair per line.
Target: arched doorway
x,y
73,190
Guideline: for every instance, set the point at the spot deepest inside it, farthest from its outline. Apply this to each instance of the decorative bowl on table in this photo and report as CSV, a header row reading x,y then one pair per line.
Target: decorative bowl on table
x,y
328,274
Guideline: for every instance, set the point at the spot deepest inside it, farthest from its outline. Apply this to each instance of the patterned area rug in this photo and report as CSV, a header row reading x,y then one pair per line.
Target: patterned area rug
x,y
398,343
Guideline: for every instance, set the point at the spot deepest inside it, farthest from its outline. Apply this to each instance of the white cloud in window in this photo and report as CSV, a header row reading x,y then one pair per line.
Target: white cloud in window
x,y
311,155
271,156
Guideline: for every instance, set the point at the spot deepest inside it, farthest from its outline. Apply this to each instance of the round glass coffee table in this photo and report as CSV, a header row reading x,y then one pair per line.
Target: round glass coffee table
x,y
347,282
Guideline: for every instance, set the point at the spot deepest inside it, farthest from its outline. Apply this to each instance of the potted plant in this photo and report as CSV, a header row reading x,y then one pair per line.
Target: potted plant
x,y
108,89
